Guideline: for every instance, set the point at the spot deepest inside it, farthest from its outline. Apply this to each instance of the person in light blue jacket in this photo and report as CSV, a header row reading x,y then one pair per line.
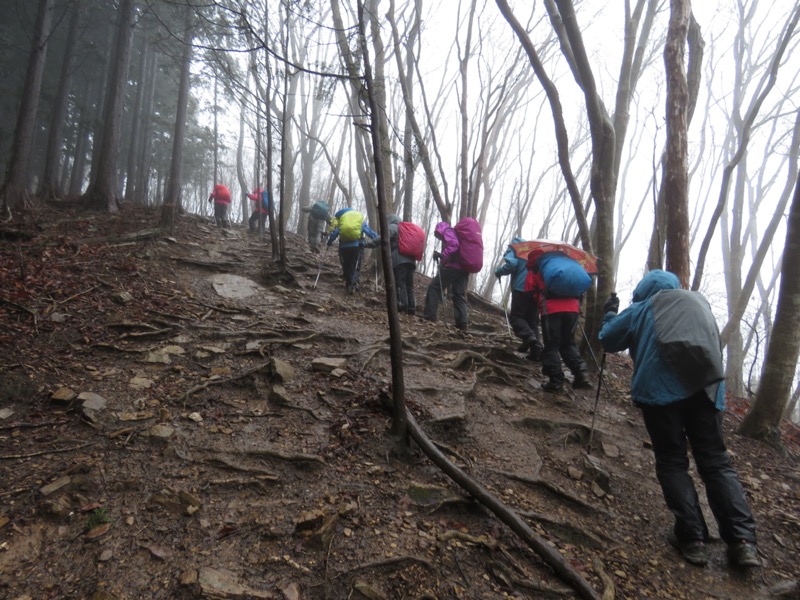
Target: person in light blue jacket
x,y
524,313
678,383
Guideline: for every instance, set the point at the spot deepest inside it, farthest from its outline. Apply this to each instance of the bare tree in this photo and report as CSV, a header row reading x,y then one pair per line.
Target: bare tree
x,y
775,387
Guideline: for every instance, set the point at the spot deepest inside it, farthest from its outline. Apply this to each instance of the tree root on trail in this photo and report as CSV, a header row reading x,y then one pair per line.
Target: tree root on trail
x,y
46,452
452,452
609,591
256,482
271,453
553,489
210,382
504,576
104,346
122,238
225,463
548,553
387,562
568,531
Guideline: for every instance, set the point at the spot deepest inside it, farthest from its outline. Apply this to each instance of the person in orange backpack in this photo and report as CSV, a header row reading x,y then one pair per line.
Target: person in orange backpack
x,y
221,197
404,264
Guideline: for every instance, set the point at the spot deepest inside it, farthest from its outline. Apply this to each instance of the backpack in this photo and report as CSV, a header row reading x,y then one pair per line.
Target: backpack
x,y
221,194
410,240
470,244
319,210
688,337
350,226
564,277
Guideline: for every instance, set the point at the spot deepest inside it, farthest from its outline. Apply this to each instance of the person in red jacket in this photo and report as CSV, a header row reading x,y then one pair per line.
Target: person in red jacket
x,y
258,217
221,197
559,319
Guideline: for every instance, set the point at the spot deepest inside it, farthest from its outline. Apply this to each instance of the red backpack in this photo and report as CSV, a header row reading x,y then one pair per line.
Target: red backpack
x,y
410,240
470,243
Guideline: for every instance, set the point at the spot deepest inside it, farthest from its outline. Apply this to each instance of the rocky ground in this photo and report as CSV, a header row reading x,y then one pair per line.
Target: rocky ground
x,y
180,420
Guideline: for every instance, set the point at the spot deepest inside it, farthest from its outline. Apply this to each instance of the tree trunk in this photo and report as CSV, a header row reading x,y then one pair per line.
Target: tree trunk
x,y
775,386
102,192
676,173
142,189
136,121
15,187
55,140
172,200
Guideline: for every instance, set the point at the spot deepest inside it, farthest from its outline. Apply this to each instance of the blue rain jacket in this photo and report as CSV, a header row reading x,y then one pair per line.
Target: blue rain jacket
x,y
514,266
655,381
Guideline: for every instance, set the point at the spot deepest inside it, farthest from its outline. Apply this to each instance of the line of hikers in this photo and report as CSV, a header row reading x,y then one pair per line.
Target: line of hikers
x,y
670,333
221,197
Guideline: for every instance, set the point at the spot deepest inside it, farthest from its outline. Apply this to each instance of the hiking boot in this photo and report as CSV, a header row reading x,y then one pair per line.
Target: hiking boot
x,y
554,387
581,381
743,554
535,353
462,327
694,552
526,344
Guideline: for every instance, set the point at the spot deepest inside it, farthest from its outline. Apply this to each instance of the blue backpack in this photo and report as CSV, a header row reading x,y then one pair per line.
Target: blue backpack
x,y
563,276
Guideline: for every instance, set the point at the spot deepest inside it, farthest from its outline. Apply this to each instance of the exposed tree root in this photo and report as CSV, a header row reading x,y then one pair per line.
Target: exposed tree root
x,y
225,463
503,575
45,452
452,452
388,562
608,583
271,453
210,382
553,489
567,531
548,554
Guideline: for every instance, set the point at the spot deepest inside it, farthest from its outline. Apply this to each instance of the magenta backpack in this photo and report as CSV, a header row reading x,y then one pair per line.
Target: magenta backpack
x,y
470,244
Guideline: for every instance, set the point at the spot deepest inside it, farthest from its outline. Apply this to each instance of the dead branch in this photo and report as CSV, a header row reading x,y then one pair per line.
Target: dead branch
x,y
45,452
210,382
119,239
390,562
147,334
287,456
548,553
31,425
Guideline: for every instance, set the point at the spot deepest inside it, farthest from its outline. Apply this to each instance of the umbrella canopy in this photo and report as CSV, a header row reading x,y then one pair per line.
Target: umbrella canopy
x,y
532,250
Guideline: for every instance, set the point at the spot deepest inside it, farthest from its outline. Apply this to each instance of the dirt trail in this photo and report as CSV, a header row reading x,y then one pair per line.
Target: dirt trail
x,y
179,420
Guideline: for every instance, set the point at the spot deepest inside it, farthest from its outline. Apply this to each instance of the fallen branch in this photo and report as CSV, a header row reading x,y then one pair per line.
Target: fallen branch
x,y
31,425
548,554
45,452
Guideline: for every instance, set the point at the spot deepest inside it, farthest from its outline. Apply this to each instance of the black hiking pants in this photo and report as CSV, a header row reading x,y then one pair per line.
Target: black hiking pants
x,y
558,331
404,281
256,219
696,421
524,316
350,259
456,280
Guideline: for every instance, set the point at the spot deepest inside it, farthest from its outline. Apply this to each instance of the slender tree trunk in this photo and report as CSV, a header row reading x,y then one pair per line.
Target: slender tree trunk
x,y
399,431
172,201
102,192
15,187
676,174
775,386
55,140
136,129
86,115
142,189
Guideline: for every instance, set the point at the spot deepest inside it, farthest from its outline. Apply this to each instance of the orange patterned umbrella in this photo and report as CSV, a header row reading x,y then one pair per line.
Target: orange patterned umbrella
x,y
533,249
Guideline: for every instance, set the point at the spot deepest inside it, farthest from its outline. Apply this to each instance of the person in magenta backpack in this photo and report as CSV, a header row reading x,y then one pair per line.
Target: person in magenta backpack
x,y
454,271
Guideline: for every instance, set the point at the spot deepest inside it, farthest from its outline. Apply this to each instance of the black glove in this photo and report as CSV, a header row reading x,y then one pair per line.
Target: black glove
x,y
498,274
612,304
437,256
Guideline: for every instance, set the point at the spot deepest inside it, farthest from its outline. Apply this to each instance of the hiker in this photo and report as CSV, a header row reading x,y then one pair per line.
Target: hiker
x,y
678,383
349,226
258,217
221,198
462,254
407,242
318,218
524,315
559,318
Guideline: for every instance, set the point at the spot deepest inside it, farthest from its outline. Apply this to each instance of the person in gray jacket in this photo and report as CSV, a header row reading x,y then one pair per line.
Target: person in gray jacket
x,y
404,268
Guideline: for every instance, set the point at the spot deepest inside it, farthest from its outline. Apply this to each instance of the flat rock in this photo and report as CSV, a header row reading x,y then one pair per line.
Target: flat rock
x,y
234,286
328,364
56,485
92,401
221,583
160,432
64,395
281,370
140,383
6,412
448,408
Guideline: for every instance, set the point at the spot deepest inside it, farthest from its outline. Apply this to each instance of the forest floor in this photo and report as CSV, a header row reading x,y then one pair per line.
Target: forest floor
x,y
180,420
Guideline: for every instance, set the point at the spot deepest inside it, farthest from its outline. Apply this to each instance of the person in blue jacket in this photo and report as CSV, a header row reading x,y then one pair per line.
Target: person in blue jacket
x,y
350,227
524,314
678,383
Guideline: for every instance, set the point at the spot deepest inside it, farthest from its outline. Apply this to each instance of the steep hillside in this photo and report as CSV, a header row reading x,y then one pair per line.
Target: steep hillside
x,y
180,420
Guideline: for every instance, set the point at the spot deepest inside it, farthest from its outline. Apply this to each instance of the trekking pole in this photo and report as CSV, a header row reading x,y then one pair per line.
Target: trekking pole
x,y
596,402
505,309
594,358
319,266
